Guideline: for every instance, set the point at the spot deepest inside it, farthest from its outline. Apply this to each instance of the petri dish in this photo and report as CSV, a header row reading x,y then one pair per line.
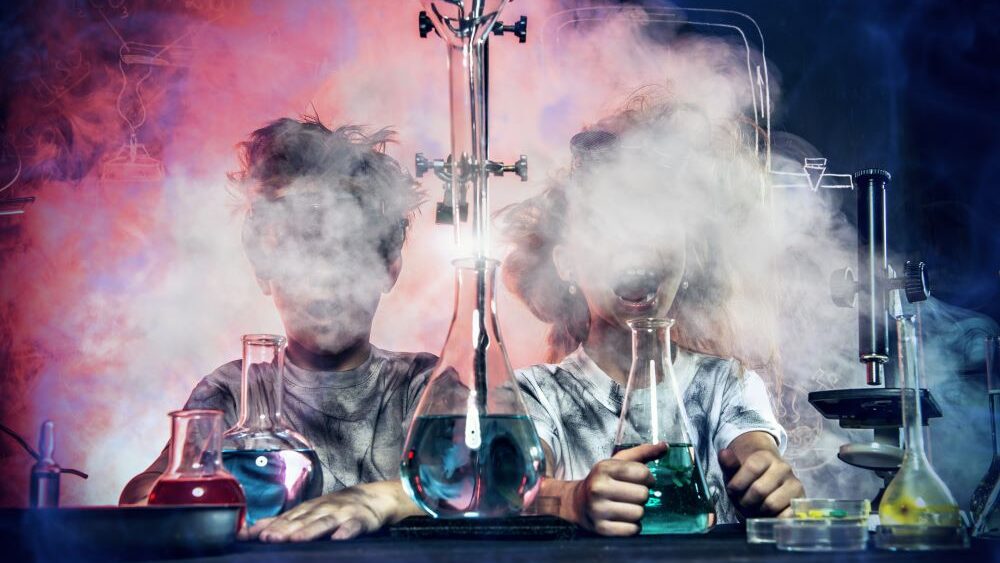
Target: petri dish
x,y
831,509
920,538
821,535
761,530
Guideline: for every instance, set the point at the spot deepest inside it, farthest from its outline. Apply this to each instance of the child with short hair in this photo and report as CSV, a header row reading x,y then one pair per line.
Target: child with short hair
x,y
327,217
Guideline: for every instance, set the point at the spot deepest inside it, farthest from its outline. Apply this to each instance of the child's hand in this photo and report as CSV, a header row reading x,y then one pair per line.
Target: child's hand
x,y
763,485
340,515
610,500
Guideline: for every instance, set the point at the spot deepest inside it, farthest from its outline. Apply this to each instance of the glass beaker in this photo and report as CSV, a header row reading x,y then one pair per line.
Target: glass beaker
x,y
985,505
917,511
195,474
472,450
653,412
277,466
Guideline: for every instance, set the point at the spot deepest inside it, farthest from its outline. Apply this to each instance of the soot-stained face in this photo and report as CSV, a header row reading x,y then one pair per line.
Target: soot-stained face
x,y
321,260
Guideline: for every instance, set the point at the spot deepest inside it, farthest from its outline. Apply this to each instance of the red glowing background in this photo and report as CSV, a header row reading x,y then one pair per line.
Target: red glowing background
x,y
125,282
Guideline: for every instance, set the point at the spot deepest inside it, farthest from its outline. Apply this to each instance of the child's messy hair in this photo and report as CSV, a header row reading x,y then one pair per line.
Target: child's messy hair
x,y
534,228
287,153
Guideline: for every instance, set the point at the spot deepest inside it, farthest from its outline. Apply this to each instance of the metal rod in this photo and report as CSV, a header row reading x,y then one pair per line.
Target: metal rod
x,y
482,230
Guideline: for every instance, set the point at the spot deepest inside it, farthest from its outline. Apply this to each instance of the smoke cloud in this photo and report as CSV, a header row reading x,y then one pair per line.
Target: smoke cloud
x,y
126,281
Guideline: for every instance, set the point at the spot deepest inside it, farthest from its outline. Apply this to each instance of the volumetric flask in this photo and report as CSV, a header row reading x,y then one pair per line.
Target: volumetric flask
x,y
195,474
917,511
653,412
277,466
472,450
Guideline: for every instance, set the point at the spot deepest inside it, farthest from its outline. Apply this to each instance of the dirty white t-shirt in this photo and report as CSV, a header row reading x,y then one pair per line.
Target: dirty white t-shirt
x,y
575,407
356,420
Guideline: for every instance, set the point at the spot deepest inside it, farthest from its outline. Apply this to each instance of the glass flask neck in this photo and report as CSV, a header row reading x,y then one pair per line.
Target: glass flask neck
x,y
469,144
650,341
474,327
475,283
262,385
653,409
473,375
195,443
909,383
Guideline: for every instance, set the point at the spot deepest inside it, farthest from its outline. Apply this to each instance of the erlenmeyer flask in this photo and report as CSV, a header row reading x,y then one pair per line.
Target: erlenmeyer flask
x,y
195,474
277,466
652,412
985,505
917,511
472,450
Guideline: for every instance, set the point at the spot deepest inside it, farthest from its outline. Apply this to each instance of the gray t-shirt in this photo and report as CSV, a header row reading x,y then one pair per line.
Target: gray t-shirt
x,y
575,407
356,420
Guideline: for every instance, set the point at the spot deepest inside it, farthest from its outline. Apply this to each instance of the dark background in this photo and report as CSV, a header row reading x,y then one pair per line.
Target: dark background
x,y
911,86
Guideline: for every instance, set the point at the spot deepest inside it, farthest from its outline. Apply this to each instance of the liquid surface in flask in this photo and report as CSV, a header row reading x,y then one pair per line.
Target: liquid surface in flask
x,y
678,500
447,478
275,480
211,490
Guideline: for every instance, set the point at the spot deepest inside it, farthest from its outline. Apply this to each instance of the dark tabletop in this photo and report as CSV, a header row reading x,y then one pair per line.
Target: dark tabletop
x,y
712,547
725,543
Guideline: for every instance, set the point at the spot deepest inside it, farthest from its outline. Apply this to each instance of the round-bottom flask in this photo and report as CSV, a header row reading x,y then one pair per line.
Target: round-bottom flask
x,y
917,511
277,466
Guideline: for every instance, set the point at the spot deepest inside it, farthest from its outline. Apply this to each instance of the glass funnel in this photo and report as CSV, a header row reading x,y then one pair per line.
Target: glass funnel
x,y
985,505
652,412
472,450
917,511
277,466
195,474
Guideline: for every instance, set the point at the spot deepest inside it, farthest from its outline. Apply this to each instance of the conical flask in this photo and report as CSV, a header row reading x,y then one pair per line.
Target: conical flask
x,y
653,412
985,505
472,450
195,474
277,466
917,511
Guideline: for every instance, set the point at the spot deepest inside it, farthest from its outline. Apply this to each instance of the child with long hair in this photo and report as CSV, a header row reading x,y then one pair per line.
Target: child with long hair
x,y
637,229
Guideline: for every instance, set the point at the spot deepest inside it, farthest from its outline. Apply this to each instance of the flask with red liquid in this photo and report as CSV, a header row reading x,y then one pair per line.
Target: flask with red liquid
x,y
195,474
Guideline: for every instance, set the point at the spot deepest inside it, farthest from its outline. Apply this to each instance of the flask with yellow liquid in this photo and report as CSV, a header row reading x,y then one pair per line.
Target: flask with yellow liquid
x,y
917,511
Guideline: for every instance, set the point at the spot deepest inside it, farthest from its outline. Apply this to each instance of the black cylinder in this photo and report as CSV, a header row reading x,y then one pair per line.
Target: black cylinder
x,y
873,326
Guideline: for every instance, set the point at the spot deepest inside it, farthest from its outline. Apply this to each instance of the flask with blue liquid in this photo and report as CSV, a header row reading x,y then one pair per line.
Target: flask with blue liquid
x,y
277,467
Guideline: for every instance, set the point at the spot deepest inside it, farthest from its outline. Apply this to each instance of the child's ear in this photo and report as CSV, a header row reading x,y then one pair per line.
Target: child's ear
x,y
564,267
393,268
264,284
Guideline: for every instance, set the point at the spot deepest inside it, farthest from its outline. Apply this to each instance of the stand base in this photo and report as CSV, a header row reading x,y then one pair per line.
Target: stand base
x,y
873,407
